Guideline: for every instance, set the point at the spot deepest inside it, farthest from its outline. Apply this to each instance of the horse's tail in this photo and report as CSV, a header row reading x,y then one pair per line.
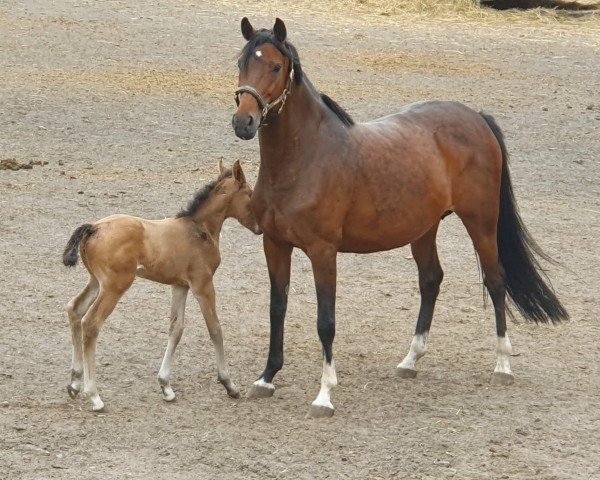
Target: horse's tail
x,y
71,250
524,278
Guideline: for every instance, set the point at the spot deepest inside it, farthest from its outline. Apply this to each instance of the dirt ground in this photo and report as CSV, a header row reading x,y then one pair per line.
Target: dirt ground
x,y
130,105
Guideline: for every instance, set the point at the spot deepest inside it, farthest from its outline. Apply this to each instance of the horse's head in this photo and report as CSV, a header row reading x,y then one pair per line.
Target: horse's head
x,y
267,66
237,192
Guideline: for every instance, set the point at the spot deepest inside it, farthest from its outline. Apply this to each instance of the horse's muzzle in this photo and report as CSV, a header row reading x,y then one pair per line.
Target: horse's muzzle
x,y
245,126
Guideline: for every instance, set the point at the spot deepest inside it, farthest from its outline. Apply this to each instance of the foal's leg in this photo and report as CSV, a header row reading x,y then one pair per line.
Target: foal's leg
x,y
205,294
91,324
179,296
76,309
279,258
424,252
484,236
325,272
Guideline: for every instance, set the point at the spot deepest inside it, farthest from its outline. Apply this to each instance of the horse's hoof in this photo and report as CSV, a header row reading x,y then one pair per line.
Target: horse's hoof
x,y
72,391
168,394
234,392
320,411
501,378
406,372
260,391
97,404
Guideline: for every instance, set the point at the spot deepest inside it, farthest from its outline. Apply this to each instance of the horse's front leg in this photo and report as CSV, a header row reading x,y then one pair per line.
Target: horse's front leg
x,y
204,292
324,266
279,258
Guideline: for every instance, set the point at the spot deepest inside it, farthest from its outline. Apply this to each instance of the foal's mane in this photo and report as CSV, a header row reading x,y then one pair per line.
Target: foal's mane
x,y
201,196
263,36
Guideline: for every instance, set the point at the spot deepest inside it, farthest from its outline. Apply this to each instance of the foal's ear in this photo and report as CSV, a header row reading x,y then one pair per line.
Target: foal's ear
x,y
238,174
247,29
221,166
279,30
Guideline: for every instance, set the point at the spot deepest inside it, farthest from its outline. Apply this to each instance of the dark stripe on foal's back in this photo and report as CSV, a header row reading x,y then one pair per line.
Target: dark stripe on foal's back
x,y
201,196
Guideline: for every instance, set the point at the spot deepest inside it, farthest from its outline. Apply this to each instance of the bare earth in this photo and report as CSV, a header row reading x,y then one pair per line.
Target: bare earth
x,y
130,105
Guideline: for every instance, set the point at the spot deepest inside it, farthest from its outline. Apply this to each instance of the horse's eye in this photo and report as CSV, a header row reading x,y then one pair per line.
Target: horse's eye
x,y
276,68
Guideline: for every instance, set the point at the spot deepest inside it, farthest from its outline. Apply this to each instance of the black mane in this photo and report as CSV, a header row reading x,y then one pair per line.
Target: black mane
x,y
201,196
339,111
263,36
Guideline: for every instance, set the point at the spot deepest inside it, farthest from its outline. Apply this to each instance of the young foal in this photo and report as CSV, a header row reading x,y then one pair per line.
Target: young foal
x,y
181,251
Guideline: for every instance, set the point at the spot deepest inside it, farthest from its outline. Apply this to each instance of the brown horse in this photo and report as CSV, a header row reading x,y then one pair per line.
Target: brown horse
x,y
181,251
328,185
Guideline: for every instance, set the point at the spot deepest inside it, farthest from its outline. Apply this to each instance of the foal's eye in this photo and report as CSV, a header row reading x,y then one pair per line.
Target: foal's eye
x,y
276,68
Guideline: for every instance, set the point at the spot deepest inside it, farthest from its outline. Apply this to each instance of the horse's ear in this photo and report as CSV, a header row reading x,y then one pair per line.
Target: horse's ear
x,y
221,166
247,29
238,174
279,30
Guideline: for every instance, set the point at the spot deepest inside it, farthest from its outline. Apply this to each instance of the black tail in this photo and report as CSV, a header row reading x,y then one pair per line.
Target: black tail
x,y
72,248
524,278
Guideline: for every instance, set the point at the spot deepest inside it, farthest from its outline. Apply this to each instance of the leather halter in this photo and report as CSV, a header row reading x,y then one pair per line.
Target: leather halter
x,y
262,104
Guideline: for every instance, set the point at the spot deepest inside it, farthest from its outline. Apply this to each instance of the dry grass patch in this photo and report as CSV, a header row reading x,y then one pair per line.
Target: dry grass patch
x,y
150,80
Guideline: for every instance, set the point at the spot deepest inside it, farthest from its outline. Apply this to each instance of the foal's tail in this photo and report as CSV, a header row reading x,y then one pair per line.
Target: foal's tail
x,y
524,278
72,248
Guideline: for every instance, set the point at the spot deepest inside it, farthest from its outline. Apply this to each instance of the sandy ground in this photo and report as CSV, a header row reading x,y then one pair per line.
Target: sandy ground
x,y
130,107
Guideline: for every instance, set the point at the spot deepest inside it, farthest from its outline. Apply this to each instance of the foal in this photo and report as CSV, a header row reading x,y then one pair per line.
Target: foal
x,y
182,252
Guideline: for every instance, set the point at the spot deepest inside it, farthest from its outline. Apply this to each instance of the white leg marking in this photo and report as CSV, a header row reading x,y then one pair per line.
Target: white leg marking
x,y
418,347
328,381
179,296
504,351
261,383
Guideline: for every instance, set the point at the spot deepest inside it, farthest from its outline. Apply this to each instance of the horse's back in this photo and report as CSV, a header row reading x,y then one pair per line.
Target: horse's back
x,y
411,167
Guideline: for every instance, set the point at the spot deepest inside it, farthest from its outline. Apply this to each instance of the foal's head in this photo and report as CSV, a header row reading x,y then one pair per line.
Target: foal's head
x,y
267,66
235,192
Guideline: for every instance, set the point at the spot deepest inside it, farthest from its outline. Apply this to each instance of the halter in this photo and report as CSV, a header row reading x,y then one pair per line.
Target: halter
x,y
264,106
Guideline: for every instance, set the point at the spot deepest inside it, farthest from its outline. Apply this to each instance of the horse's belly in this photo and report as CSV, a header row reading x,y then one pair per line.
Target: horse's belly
x,y
373,236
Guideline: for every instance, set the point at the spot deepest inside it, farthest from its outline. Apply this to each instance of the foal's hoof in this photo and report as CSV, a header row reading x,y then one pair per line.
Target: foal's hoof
x,y
72,391
168,394
97,405
320,411
234,392
501,378
261,391
406,372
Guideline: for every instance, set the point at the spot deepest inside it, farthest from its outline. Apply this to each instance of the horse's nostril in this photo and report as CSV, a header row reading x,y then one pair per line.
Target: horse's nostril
x,y
250,120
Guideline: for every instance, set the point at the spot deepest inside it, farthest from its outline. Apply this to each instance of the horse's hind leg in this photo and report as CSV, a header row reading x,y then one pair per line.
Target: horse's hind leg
x,y
76,309
424,252
91,324
205,294
179,296
484,236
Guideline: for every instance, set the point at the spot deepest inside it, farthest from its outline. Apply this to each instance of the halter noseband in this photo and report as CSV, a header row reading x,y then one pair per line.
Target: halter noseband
x,y
264,106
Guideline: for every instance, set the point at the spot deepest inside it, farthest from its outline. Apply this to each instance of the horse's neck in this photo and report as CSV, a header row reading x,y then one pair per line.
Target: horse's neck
x,y
209,218
286,138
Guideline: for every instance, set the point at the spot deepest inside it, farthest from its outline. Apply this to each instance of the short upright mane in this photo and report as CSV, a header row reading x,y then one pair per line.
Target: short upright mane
x,y
201,196
263,36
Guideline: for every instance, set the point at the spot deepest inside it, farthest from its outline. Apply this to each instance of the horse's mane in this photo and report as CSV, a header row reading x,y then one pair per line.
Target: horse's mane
x,y
339,111
263,36
201,196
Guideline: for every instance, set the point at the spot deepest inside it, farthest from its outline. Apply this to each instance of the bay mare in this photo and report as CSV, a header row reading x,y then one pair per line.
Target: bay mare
x,y
182,252
327,184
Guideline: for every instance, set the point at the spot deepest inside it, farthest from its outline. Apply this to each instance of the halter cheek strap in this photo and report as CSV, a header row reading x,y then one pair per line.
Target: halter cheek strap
x,y
262,104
